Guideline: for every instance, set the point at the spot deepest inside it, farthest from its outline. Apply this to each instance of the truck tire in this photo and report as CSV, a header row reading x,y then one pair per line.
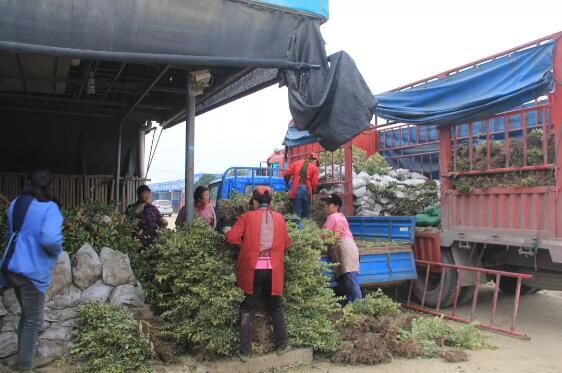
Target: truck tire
x,y
449,286
509,285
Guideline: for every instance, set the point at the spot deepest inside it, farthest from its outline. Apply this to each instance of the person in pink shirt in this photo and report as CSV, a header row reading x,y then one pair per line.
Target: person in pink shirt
x,y
203,209
345,250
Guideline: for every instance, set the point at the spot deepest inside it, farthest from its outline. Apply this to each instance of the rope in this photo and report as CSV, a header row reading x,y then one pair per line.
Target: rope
x,y
151,156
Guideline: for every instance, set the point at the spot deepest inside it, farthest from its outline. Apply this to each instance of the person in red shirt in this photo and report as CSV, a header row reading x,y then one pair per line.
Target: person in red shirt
x,y
263,239
305,174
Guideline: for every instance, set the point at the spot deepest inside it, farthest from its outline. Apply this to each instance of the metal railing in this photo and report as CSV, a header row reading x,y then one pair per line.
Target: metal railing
x,y
452,314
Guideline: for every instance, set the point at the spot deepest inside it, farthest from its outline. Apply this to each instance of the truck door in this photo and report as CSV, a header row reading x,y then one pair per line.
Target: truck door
x,y
214,192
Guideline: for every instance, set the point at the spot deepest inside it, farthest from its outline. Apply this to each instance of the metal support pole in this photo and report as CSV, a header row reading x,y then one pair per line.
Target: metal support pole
x,y
118,173
189,155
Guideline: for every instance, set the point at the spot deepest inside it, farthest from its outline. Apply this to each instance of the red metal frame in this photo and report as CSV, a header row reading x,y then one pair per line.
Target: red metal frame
x,y
453,315
544,125
346,163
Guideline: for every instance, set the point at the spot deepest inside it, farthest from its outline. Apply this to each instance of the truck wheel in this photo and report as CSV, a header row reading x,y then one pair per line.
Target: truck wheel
x,y
449,286
509,285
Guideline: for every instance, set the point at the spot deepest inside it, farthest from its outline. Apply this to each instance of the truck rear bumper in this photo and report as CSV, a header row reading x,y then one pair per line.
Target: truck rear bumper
x,y
513,238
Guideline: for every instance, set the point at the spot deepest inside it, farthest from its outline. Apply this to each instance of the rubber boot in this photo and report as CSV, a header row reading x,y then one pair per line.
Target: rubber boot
x,y
246,334
279,330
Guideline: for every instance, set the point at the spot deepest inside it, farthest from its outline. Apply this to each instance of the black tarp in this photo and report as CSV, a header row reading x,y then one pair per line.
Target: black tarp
x,y
333,102
189,32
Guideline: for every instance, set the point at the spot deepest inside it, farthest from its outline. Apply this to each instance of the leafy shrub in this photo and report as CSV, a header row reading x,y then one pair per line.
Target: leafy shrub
x,y
376,304
375,164
535,156
431,328
203,314
108,340
468,337
230,209
309,301
319,213
433,333
196,292
101,225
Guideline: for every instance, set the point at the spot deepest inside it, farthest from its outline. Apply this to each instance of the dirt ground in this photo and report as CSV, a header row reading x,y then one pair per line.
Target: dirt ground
x,y
540,318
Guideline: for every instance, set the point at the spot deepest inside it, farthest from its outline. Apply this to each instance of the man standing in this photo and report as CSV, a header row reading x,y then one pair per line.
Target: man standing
x,y
305,174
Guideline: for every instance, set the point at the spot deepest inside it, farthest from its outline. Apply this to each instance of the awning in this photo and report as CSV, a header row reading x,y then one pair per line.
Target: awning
x,y
475,93
96,57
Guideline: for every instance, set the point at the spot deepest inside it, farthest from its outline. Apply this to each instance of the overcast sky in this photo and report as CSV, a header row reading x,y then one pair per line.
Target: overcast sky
x,y
392,42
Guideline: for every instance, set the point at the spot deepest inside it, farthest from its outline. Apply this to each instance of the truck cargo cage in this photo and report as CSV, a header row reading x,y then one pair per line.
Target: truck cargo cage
x,y
415,148
453,314
517,140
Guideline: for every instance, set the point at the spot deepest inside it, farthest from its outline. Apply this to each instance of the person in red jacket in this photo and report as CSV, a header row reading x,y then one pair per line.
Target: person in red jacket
x,y
305,174
263,239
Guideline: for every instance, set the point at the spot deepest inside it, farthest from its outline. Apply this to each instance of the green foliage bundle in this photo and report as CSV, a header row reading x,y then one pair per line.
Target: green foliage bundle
x,y
535,156
281,203
415,198
319,213
432,333
238,203
377,305
100,225
196,292
309,302
517,179
230,209
108,340
468,337
374,164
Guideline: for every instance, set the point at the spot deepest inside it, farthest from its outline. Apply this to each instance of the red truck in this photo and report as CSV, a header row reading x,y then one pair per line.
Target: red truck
x,y
515,228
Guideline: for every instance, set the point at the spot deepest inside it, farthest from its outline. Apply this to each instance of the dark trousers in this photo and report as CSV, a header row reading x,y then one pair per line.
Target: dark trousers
x,y
32,303
262,287
348,283
302,202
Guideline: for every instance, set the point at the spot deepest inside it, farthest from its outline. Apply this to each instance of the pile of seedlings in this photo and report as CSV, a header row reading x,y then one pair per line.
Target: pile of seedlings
x,y
374,331
202,315
499,159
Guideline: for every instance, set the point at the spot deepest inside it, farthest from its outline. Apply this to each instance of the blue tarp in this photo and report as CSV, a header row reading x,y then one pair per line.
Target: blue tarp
x,y
475,93
296,137
316,7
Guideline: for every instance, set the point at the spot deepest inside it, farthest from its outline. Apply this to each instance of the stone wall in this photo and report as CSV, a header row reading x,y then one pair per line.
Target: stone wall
x,y
88,277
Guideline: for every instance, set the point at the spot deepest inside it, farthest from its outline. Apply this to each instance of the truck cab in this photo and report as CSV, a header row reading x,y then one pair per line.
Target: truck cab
x,y
244,180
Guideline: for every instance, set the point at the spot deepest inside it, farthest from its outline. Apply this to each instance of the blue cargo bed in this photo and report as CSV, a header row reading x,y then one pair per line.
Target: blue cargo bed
x,y
384,265
383,228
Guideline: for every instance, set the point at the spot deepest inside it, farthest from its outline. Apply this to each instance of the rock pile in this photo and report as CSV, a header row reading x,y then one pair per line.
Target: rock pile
x,y
86,278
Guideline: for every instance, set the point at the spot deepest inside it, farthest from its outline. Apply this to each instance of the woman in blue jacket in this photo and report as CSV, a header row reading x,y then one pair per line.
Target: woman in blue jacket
x,y
34,243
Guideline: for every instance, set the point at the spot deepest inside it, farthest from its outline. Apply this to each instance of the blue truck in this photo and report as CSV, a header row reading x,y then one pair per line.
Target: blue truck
x,y
378,265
